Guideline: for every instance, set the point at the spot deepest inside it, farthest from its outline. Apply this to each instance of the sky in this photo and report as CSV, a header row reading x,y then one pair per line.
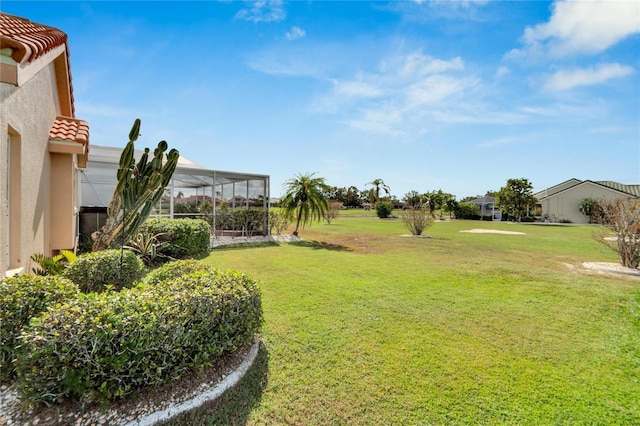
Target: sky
x,y
425,95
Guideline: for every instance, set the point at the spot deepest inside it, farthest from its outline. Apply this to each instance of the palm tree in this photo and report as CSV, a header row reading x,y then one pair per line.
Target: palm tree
x,y
379,183
305,193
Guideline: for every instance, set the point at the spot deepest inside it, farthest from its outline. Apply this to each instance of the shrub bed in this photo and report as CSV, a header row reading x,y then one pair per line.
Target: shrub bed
x,y
105,346
183,237
97,270
22,298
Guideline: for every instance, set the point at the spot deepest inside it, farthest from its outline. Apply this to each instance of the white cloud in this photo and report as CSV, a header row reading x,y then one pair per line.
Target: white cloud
x,y
502,71
583,27
356,89
568,79
500,142
295,33
417,64
263,11
403,97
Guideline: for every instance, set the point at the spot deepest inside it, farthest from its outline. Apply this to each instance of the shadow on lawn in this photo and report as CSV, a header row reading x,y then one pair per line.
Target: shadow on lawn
x,y
321,245
240,246
235,405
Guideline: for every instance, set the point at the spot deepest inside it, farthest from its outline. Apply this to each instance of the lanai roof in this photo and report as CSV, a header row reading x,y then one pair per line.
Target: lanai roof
x,y
188,174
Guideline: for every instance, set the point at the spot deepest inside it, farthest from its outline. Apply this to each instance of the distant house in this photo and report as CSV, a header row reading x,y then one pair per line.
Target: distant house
x,y
487,207
42,147
562,202
193,199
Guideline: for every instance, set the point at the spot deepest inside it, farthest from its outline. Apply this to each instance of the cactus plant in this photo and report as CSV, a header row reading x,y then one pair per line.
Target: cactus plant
x,y
139,188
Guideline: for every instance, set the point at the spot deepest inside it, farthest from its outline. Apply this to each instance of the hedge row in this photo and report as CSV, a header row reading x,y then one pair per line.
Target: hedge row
x,y
105,346
96,270
181,237
22,298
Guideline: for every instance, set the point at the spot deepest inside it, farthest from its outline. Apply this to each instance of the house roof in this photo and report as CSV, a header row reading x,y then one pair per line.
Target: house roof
x,y
632,190
483,200
70,130
627,189
28,40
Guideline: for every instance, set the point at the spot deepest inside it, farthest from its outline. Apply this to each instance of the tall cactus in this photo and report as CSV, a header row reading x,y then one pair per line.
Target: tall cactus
x,y
139,188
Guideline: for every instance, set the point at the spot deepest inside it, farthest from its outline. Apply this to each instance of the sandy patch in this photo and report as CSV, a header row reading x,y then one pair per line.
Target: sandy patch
x,y
610,268
492,231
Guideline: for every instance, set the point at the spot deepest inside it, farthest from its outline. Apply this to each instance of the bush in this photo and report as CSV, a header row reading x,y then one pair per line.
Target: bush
x,y
248,221
181,237
22,298
94,271
171,271
278,221
384,209
467,211
139,337
416,220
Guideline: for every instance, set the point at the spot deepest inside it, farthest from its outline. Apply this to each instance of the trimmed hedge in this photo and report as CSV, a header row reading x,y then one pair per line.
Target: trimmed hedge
x,y
97,270
183,237
170,272
105,346
22,298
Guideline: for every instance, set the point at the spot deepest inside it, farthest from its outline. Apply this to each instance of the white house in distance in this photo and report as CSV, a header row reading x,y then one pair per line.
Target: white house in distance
x,y
562,202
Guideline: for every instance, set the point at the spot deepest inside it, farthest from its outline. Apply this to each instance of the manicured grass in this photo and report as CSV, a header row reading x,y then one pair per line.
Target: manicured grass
x,y
366,326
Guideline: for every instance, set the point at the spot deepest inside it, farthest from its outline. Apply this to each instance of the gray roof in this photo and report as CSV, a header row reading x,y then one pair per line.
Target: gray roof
x,y
632,190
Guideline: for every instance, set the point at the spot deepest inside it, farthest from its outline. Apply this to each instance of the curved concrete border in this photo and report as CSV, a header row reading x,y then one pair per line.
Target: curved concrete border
x,y
209,395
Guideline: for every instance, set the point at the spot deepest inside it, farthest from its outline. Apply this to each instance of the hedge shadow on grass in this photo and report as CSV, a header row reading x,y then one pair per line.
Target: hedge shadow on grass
x,y
235,405
322,245
241,246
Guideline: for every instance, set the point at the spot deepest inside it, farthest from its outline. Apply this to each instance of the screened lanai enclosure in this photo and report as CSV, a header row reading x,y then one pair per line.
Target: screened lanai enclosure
x,y
234,204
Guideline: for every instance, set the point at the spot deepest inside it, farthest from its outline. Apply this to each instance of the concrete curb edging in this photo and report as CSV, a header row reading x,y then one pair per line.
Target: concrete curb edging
x,y
209,395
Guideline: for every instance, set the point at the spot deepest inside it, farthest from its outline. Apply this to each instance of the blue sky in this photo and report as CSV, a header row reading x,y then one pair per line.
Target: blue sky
x,y
455,95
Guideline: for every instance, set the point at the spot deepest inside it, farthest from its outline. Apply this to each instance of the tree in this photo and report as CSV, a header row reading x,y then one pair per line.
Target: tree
x,y
622,217
304,196
433,200
589,207
411,199
140,186
449,203
352,197
379,184
516,198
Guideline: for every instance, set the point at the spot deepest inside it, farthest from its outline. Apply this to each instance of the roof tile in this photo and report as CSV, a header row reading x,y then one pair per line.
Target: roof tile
x,y
27,39
69,129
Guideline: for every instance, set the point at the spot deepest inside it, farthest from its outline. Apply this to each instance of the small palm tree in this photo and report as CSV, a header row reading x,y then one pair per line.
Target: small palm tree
x,y
305,194
379,183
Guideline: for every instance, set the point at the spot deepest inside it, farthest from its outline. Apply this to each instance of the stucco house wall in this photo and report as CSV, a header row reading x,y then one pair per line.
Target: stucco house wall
x,y
39,162
564,205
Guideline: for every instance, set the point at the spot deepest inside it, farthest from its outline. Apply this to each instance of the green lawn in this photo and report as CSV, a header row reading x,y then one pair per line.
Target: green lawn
x,y
366,326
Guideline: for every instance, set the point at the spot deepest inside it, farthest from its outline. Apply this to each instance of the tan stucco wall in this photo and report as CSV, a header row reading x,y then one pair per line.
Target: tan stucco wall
x,y
566,205
30,111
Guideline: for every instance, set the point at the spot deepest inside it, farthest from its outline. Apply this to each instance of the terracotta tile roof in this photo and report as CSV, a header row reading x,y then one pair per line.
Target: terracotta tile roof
x,y
69,129
28,40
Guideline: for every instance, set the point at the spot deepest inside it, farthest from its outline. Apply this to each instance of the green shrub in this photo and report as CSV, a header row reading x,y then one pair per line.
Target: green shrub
x,y
94,271
467,211
106,346
249,221
278,221
22,298
180,237
171,271
384,209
